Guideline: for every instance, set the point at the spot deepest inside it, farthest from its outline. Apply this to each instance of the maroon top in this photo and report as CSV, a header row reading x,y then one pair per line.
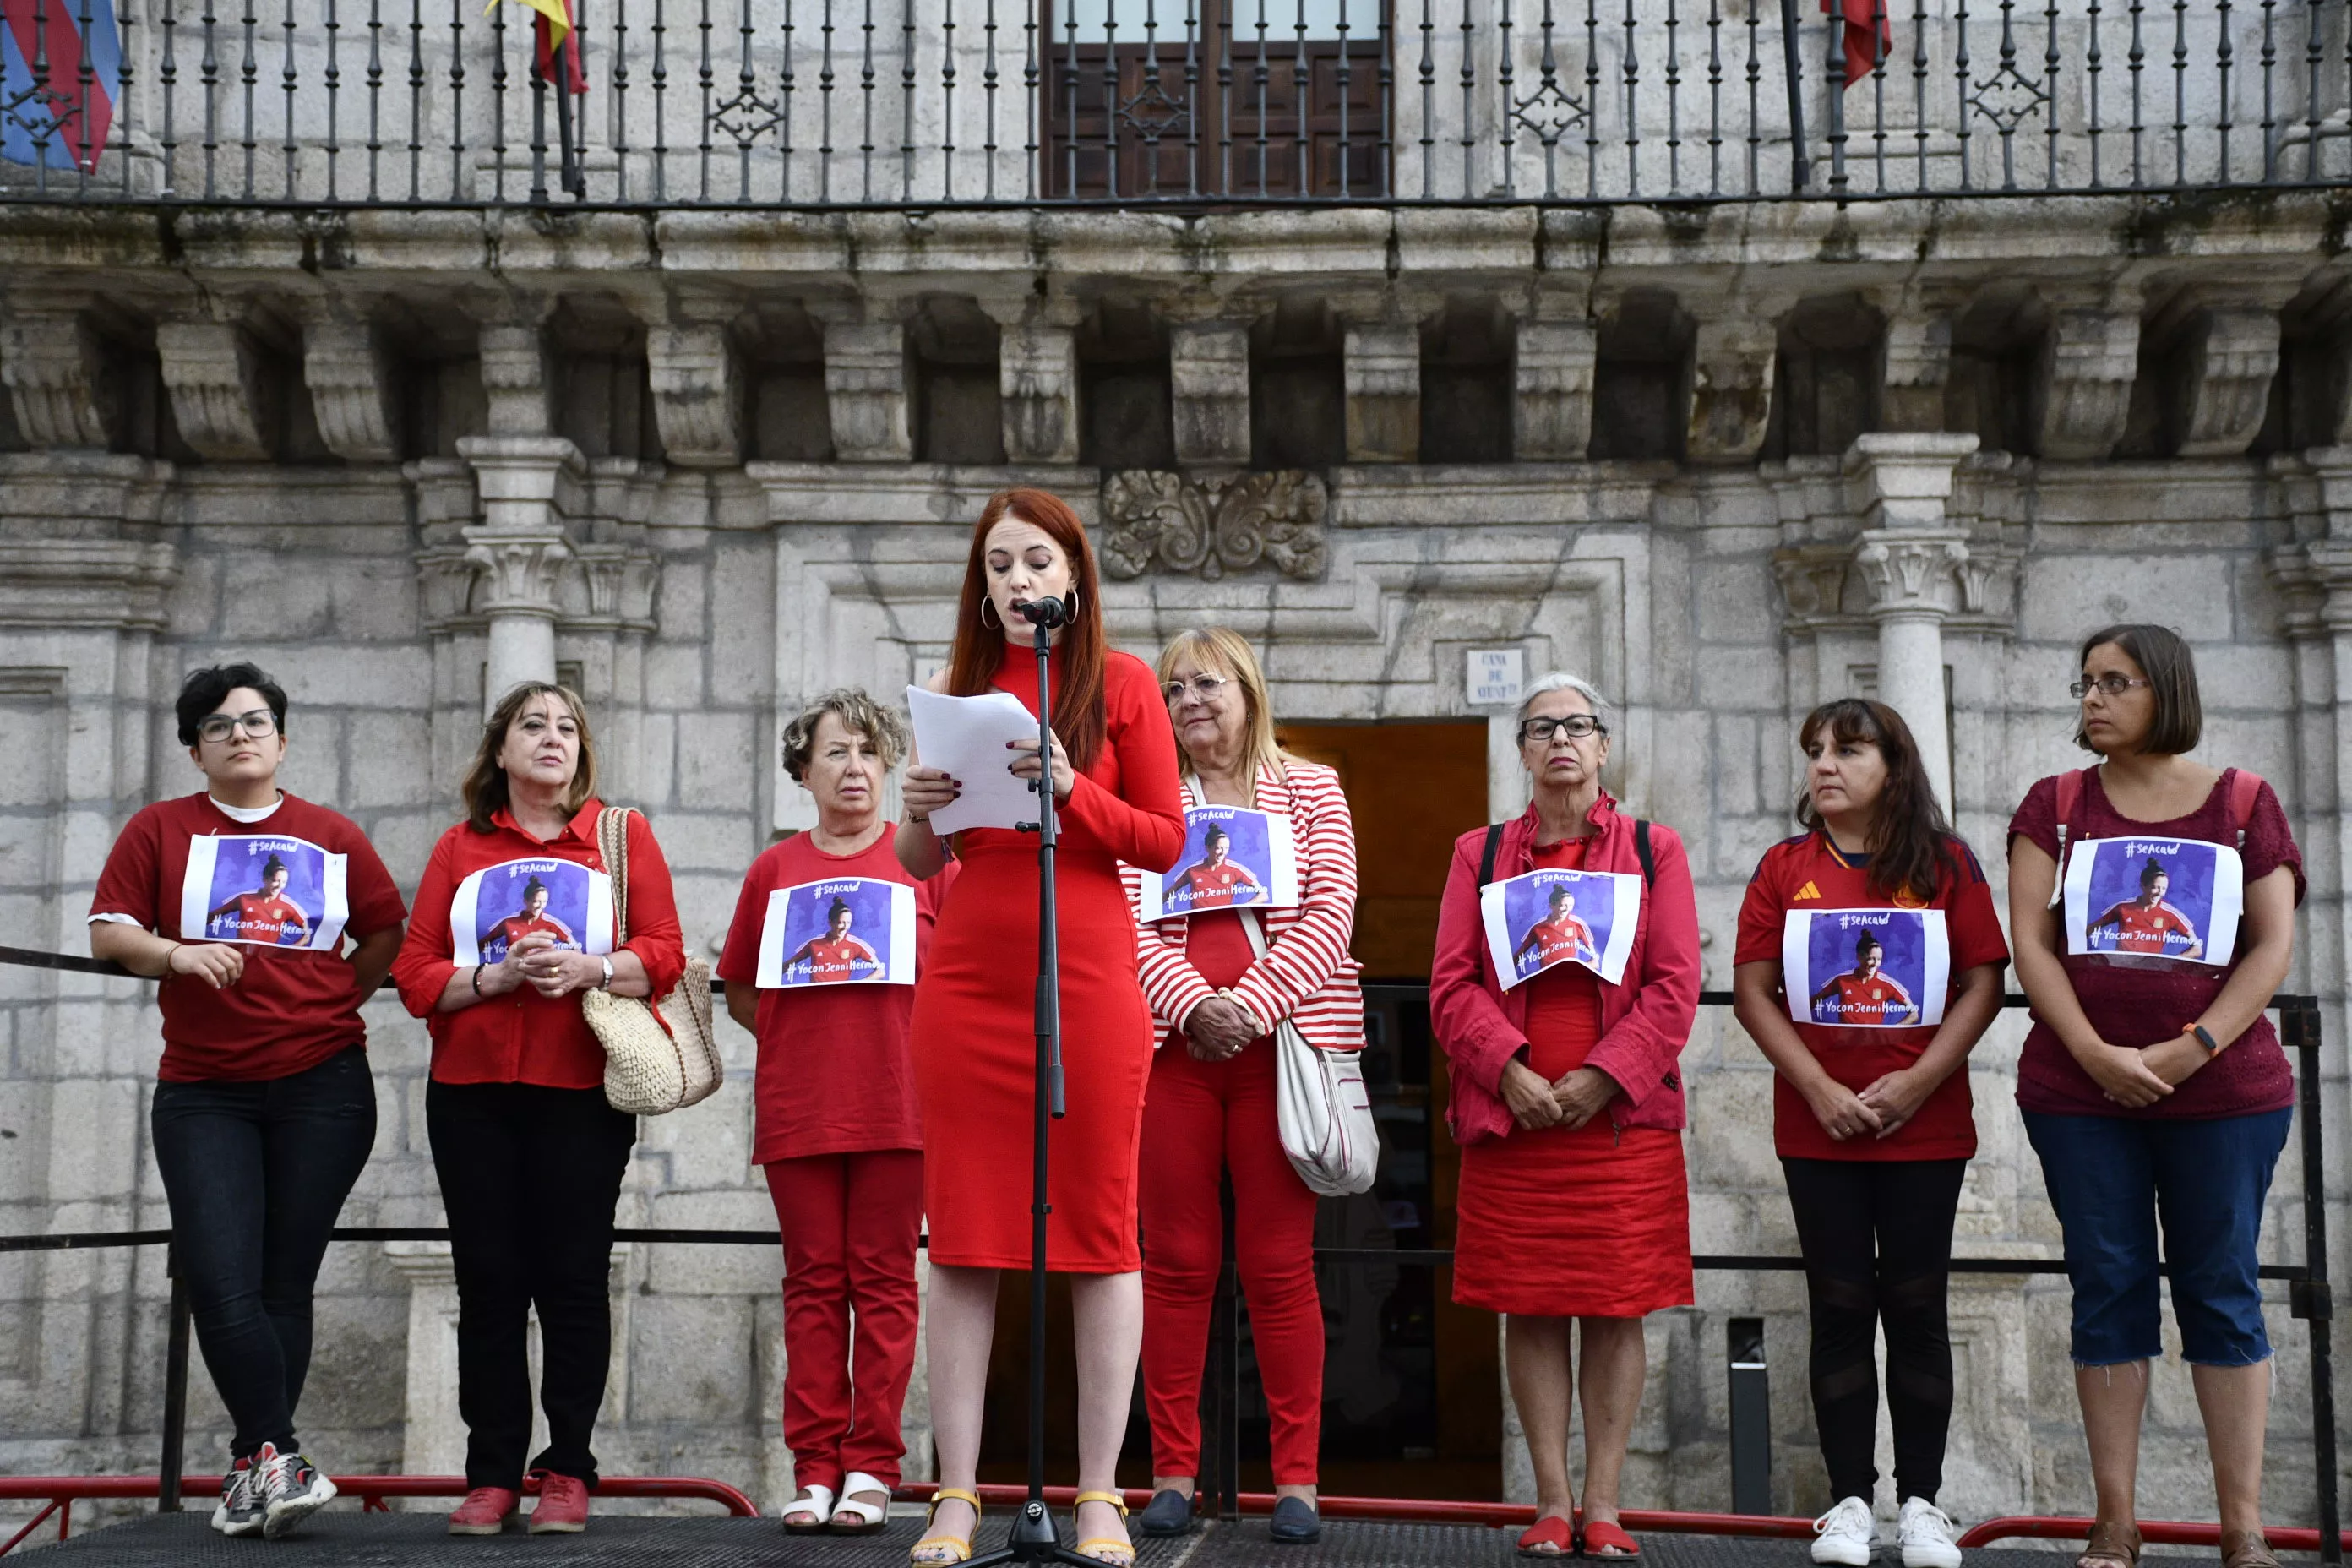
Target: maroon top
x,y
2146,1005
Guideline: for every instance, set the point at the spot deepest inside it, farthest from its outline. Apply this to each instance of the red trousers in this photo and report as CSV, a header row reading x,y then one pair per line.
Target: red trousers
x,y
1198,1119
850,1224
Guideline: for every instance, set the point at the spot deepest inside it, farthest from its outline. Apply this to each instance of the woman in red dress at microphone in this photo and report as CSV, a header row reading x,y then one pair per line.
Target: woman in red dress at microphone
x,y
1113,770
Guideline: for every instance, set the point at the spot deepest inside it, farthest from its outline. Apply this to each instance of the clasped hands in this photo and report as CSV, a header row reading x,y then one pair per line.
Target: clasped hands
x,y
537,961
2138,1076
1881,1109
1536,1102
1217,1028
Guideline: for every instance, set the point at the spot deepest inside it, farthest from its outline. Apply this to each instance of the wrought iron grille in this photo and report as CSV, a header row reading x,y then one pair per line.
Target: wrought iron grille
x,y
952,103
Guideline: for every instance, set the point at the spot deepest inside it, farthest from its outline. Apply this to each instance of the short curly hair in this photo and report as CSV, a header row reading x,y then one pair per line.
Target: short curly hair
x,y
858,712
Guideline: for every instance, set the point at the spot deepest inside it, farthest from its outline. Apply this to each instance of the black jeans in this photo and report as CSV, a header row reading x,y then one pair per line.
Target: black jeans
x,y
1877,1240
528,1176
256,1174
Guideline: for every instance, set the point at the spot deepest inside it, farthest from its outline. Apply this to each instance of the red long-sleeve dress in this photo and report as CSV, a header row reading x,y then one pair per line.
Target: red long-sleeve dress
x,y
974,1028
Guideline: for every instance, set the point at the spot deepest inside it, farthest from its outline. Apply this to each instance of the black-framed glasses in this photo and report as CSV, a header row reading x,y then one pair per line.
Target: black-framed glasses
x,y
2106,686
1577,727
1204,687
261,724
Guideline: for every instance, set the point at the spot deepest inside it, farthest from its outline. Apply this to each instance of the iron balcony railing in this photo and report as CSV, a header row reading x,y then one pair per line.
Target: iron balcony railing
x,y
936,104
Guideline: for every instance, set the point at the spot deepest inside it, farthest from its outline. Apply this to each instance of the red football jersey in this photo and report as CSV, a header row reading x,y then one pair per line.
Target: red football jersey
x,y
514,928
831,962
2143,928
1215,887
251,917
1563,941
1809,872
1875,1001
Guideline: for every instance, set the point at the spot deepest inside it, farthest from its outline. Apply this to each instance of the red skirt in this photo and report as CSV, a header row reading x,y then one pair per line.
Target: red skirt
x,y
1590,1223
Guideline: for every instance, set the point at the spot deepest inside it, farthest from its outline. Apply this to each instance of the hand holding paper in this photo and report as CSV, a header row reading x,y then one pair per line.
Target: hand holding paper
x,y
969,738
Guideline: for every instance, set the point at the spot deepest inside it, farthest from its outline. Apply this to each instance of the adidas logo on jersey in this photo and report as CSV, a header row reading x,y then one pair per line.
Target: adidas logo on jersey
x,y
1807,891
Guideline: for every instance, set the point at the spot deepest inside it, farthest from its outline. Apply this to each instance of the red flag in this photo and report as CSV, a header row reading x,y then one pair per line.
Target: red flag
x,y
552,28
1863,19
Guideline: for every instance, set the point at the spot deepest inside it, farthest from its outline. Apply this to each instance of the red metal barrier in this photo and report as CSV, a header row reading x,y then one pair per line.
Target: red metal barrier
x,y
1424,1511
2154,1532
58,1493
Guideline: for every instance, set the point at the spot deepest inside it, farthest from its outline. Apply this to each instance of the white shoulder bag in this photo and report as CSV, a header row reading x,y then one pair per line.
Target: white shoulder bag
x,y
660,1054
1319,1099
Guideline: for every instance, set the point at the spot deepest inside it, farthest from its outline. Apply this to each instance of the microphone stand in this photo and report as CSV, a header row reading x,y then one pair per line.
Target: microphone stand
x,y
1034,1537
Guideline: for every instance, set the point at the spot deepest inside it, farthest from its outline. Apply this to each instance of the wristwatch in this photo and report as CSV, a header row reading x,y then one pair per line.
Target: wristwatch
x,y
606,984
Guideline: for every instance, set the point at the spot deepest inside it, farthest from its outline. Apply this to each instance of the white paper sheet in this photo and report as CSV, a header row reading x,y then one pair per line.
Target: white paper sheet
x,y
965,737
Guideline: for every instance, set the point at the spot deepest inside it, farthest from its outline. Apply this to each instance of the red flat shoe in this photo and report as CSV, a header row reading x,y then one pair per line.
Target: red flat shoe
x,y
1549,1537
1606,1538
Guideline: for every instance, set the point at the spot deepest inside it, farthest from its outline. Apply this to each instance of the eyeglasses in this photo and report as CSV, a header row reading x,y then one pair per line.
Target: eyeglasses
x,y
261,724
2106,686
1204,687
1580,726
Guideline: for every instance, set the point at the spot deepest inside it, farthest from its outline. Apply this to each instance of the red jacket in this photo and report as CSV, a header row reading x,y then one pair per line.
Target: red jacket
x,y
1645,1023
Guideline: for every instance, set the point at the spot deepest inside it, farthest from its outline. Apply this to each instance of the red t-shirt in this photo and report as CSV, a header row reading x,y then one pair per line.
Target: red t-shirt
x,y
2144,1004
522,1037
836,1072
294,1006
1809,873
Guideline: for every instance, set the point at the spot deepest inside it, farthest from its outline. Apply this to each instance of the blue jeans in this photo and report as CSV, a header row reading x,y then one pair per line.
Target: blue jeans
x,y
256,1174
2111,1179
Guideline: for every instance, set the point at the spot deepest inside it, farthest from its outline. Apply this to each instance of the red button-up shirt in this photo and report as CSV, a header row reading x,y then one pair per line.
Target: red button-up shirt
x,y
521,1036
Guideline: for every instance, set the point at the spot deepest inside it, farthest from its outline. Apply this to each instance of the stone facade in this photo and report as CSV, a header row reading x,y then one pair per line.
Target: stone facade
x,y
1725,462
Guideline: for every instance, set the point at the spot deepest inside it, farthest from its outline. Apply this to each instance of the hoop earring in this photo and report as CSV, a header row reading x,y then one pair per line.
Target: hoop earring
x,y
986,604
1070,617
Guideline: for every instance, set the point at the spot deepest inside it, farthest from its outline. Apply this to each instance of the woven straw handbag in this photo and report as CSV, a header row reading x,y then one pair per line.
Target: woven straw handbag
x,y
659,1055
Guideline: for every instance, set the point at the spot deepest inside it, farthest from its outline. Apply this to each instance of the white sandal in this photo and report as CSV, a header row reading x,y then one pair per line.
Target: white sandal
x,y
865,1518
818,1502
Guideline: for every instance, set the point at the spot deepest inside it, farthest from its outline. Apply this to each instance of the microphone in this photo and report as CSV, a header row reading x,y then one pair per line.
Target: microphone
x,y
1044,612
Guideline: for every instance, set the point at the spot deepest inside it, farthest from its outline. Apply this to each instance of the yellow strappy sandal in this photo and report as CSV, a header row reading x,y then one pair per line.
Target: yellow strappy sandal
x,y
1107,1550
943,1551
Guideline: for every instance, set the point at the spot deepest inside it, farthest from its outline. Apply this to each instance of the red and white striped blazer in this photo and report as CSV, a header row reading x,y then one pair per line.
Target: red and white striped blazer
x,y
1307,974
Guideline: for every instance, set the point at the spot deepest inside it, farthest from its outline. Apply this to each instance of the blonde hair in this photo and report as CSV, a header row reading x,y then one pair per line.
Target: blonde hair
x,y
1221,650
858,711
485,783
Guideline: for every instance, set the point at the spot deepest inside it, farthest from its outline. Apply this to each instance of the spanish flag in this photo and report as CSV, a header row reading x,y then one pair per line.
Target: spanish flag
x,y
552,27
1869,37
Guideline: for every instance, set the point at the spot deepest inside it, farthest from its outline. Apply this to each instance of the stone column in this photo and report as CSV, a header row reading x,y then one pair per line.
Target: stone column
x,y
530,485
1910,558
1209,380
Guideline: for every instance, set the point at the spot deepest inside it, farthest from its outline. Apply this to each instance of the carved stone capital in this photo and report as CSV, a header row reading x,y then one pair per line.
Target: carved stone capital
x,y
1731,388
445,582
866,385
1987,580
616,587
699,389
1215,525
1911,574
1037,373
1208,374
1811,579
1383,370
352,390
526,483
1552,411
2229,354
2089,362
519,379
517,572
55,376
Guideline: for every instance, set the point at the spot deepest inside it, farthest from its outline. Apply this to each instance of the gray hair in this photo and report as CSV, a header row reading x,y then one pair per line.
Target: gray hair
x,y
857,712
1560,680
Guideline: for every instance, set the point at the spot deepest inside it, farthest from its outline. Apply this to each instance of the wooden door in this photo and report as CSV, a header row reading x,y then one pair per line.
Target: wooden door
x,y
1215,99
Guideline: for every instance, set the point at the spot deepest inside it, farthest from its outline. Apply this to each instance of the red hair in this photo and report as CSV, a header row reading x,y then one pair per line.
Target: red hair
x,y
1081,650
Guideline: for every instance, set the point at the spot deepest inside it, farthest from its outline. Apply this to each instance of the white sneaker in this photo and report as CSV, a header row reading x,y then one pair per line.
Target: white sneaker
x,y
1843,1534
1926,1532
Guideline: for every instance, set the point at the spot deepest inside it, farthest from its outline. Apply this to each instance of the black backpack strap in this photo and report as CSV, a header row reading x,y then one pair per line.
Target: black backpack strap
x,y
1642,847
1486,861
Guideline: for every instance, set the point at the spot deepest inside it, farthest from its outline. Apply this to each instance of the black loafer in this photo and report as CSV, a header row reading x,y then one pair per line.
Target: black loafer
x,y
1295,1523
1169,1512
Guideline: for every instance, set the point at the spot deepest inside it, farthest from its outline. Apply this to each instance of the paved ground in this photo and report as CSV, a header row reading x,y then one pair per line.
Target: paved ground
x,y
341,1538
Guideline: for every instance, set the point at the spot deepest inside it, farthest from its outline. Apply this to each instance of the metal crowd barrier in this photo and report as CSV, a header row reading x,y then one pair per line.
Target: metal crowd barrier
x,y
2300,1032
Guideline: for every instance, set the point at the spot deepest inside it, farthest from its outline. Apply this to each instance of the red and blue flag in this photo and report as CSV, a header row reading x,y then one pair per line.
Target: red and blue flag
x,y
60,70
